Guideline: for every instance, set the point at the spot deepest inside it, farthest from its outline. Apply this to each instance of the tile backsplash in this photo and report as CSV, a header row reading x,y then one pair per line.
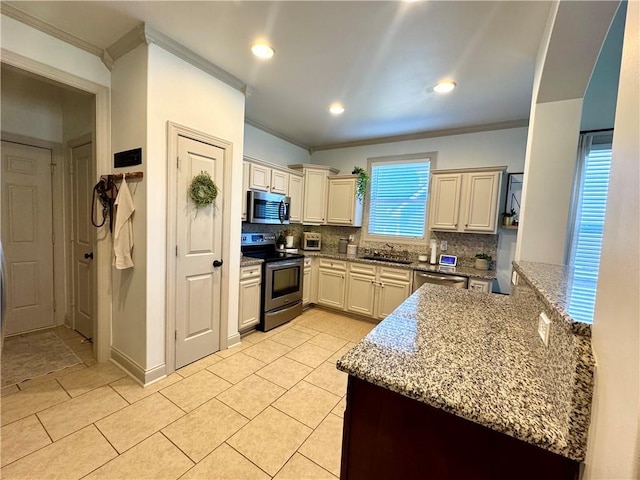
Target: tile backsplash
x,y
463,245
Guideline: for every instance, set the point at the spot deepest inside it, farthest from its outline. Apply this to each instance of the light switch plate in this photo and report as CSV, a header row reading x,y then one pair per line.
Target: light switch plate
x,y
544,325
443,245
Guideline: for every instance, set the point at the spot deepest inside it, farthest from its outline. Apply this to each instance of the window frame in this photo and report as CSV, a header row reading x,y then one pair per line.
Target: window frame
x,y
386,160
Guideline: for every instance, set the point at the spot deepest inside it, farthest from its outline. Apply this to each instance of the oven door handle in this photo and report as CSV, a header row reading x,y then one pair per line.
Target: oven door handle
x,y
291,263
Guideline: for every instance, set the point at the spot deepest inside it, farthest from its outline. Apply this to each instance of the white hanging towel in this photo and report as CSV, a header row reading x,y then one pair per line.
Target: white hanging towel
x,y
123,229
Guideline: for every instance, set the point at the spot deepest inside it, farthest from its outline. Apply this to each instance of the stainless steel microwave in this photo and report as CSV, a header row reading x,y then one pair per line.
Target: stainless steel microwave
x,y
263,207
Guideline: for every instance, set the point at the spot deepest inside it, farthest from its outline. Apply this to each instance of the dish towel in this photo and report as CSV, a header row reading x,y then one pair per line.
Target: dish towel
x,y
123,230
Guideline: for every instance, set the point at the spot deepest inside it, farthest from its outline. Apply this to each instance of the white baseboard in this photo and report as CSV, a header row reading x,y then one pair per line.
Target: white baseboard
x,y
233,340
135,371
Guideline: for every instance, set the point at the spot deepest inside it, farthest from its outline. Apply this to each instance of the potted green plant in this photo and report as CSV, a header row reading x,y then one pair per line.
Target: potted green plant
x,y
361,184
482,261
508,217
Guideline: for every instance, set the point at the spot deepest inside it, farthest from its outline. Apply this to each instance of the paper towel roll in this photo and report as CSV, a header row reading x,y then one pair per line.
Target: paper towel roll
x,y
434,251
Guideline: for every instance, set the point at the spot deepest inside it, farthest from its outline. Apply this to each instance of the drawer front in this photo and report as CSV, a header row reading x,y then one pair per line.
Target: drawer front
x,y
363,268
333,264
250,272
307,261
395,273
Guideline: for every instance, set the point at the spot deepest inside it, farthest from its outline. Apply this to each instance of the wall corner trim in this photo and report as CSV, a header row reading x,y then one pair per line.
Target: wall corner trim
x,y
233,340
139,374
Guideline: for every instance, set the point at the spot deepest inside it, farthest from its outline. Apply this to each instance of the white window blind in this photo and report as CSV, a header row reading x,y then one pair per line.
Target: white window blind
x,y
398,198
586,242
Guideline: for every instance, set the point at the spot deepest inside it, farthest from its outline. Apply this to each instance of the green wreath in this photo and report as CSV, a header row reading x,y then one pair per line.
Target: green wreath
x,y
203,191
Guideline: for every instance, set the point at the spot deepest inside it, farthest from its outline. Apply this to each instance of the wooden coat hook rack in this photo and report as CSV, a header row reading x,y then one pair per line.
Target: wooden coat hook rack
x,y
120,176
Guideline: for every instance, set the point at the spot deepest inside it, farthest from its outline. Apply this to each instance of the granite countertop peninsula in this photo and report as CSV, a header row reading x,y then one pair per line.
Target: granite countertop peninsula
x,y
474,355
250,261
553,284
460,270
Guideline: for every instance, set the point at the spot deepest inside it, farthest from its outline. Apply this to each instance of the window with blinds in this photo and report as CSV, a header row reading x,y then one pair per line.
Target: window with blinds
x,y
590,209
398,198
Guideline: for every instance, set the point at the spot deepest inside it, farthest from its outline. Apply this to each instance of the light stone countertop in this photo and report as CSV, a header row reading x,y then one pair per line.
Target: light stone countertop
x,y
465,271
250,261
473,355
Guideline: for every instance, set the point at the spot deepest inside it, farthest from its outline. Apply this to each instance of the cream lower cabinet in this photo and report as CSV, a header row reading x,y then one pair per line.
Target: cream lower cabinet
x,y
331,283
393,289
249,299
480,285
375,291
361,289
307,282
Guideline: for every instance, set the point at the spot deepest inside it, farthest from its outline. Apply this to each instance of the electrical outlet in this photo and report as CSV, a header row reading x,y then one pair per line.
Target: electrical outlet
x,y
544,326
514,277
443,245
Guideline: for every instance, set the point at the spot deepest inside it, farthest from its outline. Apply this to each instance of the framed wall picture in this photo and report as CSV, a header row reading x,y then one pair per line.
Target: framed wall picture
x,y
513,199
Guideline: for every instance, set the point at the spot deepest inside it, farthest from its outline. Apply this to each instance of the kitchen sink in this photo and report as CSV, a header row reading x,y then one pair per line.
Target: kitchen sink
x,y
387,259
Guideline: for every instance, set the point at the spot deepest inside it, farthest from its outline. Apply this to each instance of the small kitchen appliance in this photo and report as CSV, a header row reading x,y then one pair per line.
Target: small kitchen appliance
x,y
311,241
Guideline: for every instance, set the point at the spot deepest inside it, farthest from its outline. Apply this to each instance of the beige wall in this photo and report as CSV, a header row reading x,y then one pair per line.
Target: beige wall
x,y
482,149
37,46
548,182
183,94
614,449
129,130
264,146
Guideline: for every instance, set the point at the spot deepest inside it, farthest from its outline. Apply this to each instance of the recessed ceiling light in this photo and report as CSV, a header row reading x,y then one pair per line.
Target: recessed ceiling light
x,y
444,87
262,50
336,109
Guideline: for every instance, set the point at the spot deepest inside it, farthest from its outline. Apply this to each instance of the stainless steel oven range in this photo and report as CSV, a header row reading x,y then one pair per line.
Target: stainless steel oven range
x,y
282,275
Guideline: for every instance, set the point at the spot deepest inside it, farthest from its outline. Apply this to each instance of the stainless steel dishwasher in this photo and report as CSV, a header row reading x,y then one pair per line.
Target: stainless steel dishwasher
x,y
455,281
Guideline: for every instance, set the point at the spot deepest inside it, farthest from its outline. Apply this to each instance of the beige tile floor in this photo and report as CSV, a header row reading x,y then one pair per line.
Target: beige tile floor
x,y
271,407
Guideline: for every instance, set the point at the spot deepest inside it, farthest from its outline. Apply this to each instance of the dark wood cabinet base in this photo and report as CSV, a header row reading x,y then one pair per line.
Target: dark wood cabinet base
x,y
389,436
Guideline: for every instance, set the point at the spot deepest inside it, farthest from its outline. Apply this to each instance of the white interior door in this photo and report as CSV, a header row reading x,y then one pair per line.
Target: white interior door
x,y
27,237
83,240
199,244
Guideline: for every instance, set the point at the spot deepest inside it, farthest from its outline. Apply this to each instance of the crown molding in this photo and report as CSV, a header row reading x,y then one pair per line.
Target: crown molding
x,y
34,22
275,133
486,127
145,34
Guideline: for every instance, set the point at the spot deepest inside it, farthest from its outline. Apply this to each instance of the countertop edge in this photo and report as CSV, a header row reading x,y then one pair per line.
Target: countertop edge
x,y
577,327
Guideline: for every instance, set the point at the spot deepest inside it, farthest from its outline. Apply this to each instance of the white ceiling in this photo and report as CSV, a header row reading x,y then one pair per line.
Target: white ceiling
x,y
378,58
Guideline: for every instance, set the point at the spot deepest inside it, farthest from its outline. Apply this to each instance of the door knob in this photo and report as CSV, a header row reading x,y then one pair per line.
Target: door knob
x,y
217,263
88,255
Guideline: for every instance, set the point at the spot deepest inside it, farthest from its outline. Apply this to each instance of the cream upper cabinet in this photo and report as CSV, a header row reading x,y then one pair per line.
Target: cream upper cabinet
x,y
316,185
279,182
445,201
245,187
259,177
481,203
315,196
465,201
296,193
343,207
